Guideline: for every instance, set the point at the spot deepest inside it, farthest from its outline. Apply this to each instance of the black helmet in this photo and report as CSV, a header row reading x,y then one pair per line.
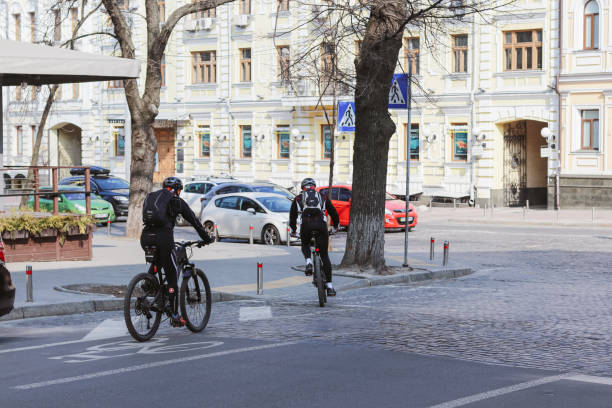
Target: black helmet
x,y
174,183
308,182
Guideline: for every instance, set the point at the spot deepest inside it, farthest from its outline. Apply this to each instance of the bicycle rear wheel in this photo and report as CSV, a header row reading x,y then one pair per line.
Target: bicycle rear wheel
x,y
195,300
140,307
320,281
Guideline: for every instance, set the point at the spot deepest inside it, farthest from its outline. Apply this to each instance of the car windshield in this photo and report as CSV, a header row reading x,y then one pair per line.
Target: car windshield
x,y
390,197
273,189
112,183
75,196
275,204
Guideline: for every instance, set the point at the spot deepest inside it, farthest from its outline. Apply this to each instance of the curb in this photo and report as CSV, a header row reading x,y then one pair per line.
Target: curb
x,y
90,306
410,277
522,223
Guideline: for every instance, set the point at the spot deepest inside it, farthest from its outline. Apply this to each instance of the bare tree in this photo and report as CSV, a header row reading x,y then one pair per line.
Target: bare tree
x,y
372,31
144,106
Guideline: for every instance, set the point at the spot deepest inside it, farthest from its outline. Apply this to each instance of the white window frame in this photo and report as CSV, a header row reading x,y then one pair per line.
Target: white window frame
x,y
576,130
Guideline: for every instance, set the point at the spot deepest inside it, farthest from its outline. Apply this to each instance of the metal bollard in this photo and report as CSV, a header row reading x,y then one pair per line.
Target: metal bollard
x,y
108,228
251,234
527,204
29,289
259,278
288,236
445,259
485,209
432,241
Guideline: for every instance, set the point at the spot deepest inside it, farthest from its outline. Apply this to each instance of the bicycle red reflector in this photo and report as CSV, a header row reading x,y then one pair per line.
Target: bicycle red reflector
x,y
155,269
316,249
170,290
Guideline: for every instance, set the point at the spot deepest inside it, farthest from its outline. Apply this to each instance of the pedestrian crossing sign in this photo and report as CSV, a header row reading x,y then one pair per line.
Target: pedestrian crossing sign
x,y
398,93
346,116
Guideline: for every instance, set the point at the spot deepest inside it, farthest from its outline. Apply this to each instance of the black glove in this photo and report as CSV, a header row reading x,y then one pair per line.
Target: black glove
x,y
206,239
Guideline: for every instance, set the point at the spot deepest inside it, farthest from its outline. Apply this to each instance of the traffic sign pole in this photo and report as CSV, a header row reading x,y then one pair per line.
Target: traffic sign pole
x,y
409,130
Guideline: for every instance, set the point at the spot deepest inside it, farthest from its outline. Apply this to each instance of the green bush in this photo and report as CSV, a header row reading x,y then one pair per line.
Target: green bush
x,y
35,225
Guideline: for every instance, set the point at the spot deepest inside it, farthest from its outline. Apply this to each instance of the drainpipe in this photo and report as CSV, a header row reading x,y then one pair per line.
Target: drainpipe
x,y
557,187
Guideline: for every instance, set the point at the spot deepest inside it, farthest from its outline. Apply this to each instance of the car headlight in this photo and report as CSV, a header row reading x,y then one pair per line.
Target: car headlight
x,y
80,207
121,199
388,211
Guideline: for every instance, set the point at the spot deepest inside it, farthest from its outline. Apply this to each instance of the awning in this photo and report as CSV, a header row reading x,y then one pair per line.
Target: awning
x,y
37,64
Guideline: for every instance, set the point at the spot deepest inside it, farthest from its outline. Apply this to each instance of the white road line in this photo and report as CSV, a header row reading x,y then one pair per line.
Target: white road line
x,y
149,365
501,391
40,346
591,379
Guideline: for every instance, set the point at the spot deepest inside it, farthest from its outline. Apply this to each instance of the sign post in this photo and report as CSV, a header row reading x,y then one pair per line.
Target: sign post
x,y
400,97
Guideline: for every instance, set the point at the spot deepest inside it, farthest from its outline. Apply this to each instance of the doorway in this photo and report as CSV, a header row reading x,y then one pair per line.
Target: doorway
x,y
69,148
165,155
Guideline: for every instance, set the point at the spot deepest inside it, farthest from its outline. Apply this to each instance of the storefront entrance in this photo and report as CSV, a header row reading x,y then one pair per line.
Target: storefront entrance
x,y
165,154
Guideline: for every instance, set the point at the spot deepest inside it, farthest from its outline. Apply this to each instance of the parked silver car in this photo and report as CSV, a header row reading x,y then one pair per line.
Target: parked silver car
x,y
234,213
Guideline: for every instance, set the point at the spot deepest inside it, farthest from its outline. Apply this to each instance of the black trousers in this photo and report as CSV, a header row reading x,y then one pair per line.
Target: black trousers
x,y
163,239
316,224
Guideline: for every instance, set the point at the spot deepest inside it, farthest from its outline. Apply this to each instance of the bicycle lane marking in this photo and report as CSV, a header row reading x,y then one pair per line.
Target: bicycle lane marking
x,y
149,365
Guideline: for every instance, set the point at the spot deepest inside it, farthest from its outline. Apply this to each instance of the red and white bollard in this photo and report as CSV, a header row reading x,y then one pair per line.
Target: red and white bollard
x,y
288,236
432,241
251,234
259,278
445,259
108,227
29,288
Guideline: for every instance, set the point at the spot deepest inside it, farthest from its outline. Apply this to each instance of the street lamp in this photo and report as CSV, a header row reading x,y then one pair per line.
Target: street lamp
x,y
551,139
297,135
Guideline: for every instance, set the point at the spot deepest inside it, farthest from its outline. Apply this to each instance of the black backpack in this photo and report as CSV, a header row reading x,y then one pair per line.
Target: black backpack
x,y
312,203
155,208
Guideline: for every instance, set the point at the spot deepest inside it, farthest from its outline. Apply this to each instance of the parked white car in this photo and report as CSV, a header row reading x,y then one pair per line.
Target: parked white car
x,y
194,190
234,213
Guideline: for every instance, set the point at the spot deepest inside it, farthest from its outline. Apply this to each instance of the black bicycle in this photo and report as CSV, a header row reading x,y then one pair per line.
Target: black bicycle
x,y
146,299
318,276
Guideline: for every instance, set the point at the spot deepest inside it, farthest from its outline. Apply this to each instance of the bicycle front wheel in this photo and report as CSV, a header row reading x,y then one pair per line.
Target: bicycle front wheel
x,y
320,281
140,307
195,301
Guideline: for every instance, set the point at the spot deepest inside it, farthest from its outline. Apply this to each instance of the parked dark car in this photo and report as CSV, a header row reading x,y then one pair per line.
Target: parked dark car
x,y
229,188
7,290
113,189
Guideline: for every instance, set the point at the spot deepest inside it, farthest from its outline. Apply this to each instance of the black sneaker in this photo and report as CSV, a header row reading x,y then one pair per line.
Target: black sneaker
x,y
177,320
308,270
331,292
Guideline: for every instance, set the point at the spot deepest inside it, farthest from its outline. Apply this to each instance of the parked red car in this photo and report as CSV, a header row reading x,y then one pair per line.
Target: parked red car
x,y
395,210
7,290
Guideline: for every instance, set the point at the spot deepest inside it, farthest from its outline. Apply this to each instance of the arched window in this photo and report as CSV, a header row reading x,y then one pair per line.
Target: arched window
x,y
591,25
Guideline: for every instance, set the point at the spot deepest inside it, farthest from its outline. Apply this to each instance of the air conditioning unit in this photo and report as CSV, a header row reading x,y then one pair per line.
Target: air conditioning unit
x,y
191,25
242,20
205,23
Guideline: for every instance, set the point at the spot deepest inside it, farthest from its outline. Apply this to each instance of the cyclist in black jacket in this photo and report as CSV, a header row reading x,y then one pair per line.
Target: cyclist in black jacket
x,y
162,236
311,206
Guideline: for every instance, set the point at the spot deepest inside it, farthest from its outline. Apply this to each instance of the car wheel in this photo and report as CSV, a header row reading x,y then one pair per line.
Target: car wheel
x,y
270,235
210,229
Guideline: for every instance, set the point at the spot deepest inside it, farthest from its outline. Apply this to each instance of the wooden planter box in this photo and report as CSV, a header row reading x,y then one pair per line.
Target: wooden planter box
x,y
46,247
15,235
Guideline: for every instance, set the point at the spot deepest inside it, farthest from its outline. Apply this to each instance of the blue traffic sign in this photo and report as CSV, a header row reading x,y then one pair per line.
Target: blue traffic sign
x,y
346,116
398,93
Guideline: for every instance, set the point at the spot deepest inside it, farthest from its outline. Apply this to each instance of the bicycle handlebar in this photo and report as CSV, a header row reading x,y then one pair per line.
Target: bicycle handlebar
x,y
191,243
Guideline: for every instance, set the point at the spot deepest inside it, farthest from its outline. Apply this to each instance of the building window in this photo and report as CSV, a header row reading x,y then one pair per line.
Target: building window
x,y
283,5
57,27
460,53
591,26
283,143
203,135
119,141
590,129
245,65
75,91
204,67
326,141
522,50
19,136
210,13
413,142
17,18
163,70
247,141
459,140
32,27
411,54
283,63
245,6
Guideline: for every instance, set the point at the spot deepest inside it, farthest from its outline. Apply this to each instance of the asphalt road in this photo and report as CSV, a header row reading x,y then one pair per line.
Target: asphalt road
x,y
530,329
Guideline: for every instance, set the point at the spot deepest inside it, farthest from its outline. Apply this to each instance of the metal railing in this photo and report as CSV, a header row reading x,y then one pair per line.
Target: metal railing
x,y
31,187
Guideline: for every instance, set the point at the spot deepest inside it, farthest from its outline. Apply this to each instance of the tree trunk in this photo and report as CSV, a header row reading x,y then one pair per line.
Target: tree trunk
x,y
144,146
373,130
38,142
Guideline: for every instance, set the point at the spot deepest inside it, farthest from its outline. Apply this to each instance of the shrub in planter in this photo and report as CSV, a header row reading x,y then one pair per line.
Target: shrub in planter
x,y
24,225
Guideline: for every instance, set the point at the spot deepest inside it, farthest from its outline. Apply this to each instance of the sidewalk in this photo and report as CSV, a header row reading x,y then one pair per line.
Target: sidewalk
x,y
587,218
231,268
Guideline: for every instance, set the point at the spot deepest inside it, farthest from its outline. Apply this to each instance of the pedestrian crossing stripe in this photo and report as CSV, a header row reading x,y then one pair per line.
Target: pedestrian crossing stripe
x,y
348,118
396,96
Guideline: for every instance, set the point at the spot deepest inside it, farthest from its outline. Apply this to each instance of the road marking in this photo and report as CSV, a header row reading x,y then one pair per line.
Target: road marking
x,y
277,284
149,365
40,346
255,313
108,329
591,379
501,391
